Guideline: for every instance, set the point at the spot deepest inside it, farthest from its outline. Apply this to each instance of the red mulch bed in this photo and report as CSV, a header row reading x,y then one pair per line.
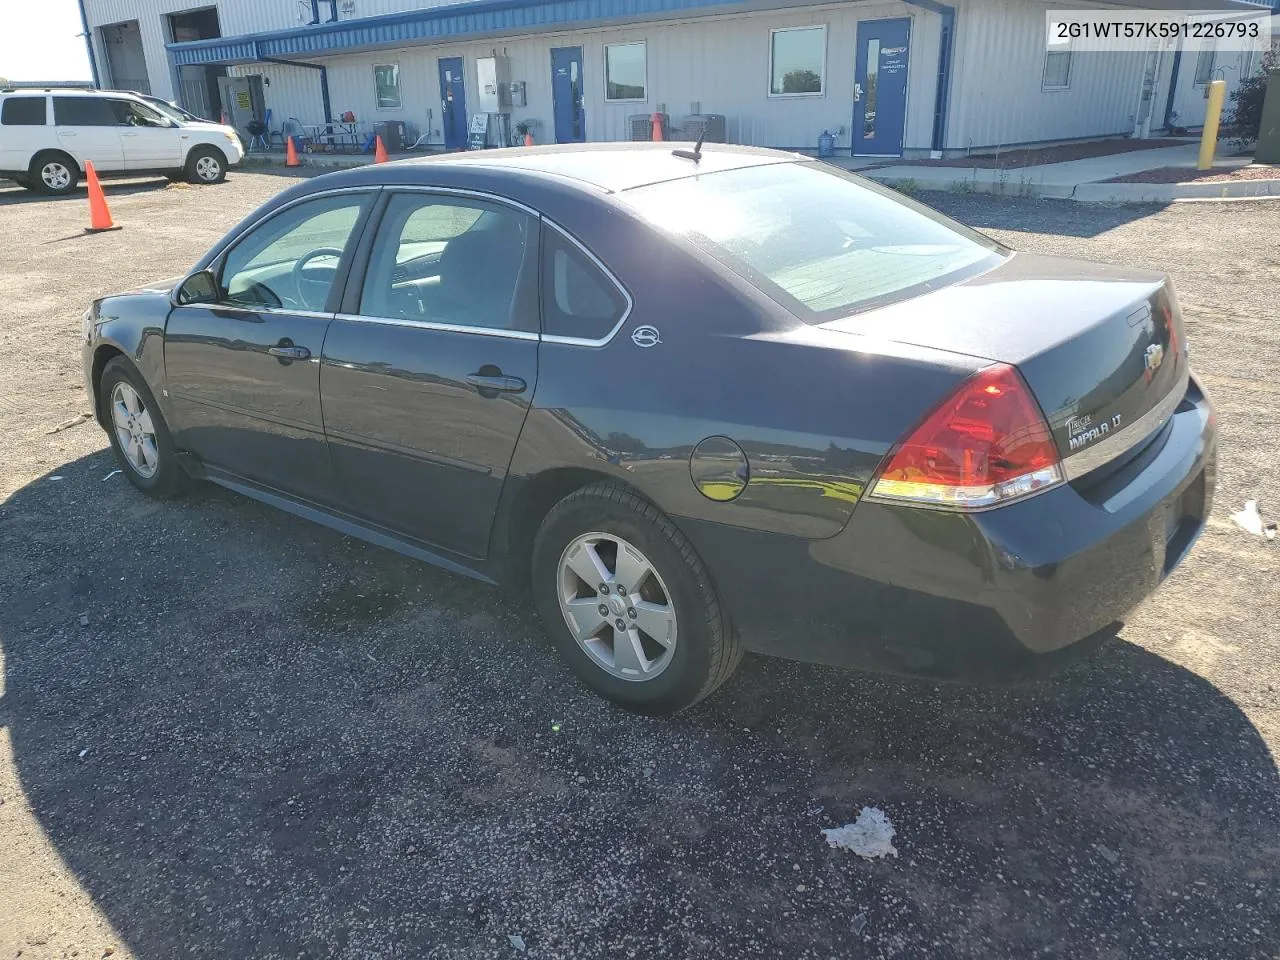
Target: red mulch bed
x,y
1034,156
1256,171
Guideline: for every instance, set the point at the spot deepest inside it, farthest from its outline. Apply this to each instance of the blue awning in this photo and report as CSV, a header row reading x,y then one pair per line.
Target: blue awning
x,y
472,18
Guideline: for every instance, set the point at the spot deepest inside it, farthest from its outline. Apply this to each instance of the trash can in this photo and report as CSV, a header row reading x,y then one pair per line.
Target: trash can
x,y
392,133
1267,149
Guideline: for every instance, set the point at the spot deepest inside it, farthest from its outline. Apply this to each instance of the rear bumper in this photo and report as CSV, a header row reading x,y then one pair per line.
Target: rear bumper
x,y
1016,591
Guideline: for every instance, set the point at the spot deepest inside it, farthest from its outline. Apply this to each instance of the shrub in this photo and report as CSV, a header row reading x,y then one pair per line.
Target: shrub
x,y
1246,100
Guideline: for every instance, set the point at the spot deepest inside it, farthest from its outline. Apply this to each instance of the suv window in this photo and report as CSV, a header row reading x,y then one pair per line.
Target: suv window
x,y
134,114
291,260
23,112
453,260
84,112
578,300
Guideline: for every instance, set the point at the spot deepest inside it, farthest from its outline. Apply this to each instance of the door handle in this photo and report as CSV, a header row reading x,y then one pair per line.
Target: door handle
x,y
128,133
492,385
66,133
287,352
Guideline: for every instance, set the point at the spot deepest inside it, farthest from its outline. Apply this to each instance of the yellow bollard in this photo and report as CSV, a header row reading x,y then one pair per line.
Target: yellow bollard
x,y
1212,114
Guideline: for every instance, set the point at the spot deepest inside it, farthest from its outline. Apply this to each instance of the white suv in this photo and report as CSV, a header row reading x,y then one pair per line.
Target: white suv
x,y
47,135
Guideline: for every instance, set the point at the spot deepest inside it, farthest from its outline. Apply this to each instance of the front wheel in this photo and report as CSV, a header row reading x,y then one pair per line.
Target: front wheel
x,y
206,165
139,436
628,603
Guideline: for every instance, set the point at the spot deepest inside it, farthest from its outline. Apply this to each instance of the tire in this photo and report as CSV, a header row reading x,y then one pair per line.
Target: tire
x,y
206,165
676,596
24,181
54,173
155,469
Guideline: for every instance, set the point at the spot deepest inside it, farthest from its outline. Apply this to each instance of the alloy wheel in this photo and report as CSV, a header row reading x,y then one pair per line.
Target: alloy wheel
x,y
208,169
55,175
134,430
617,607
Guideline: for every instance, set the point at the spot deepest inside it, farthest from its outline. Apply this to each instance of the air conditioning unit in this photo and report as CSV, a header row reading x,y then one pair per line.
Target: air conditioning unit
x,y
709,127
639,127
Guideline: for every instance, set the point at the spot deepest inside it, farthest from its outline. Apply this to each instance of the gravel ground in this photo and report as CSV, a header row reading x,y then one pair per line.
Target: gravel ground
x,y
225,732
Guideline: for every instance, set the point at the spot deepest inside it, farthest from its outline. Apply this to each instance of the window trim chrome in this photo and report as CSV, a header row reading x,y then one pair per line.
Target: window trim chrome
x,y
274,311
1084,461
441,327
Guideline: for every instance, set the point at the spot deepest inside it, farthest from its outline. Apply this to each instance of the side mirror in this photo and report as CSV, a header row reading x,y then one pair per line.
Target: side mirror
x,y
200,287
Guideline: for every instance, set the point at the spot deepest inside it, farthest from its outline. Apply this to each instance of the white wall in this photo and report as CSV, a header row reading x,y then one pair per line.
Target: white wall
x,y
721,62
1189,97
996,97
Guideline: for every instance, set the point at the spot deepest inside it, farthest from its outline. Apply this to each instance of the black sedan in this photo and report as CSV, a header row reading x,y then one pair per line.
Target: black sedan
x,y
697,400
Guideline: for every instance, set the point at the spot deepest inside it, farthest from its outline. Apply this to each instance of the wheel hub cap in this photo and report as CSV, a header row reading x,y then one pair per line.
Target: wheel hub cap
x,y
617,606
134,430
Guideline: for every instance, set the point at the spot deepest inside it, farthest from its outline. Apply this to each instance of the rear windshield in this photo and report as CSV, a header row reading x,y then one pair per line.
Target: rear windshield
x,y
820,241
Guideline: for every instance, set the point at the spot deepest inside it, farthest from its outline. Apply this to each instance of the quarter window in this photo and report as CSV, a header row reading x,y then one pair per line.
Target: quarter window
x,y
386,81
797,61
578,299
24,112
84,112
624,71
1057,70
454,261
291,260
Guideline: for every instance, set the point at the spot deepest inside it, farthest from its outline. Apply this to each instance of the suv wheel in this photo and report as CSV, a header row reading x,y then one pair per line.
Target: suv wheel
x,y
206,165
628,603
54,172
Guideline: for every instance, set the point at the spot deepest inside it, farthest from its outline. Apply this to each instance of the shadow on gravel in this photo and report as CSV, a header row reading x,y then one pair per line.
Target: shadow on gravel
x,y
247,735
1070,218
11,193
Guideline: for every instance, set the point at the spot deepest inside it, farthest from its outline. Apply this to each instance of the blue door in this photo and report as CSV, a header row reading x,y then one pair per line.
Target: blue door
x,y
453,103
880,94
566,94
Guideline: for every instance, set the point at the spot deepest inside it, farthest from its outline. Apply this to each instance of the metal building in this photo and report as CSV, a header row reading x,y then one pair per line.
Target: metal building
x,y
884,77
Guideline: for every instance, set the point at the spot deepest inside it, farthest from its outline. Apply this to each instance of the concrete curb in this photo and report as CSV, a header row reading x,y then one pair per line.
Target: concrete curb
x,y
1091,192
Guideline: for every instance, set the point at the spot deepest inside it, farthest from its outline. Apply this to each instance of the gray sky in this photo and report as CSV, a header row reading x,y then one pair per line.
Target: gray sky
x,y
39,41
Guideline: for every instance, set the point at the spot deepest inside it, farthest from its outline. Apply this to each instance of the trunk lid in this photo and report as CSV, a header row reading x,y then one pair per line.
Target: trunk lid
x,y
1100,346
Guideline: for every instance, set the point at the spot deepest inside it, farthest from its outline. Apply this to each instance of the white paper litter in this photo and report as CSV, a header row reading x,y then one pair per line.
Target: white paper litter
x,y
869,836
1250,519
516,941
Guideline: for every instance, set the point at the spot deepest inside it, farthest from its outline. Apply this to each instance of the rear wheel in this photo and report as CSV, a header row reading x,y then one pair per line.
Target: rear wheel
x,y
54,172
206,165
628,603
139,436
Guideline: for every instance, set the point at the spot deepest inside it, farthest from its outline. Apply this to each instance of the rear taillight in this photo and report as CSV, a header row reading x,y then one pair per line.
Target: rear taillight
x,y
987,444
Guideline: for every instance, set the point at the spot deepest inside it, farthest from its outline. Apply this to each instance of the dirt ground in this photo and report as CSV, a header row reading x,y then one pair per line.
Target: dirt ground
x,y
227,733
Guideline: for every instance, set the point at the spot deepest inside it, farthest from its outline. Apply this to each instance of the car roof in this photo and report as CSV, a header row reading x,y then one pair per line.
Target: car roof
x,y
608,166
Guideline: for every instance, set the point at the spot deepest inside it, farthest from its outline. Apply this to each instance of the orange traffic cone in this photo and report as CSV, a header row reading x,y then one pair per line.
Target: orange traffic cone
x,y
657,127
528,139
99,215
291,154
379,151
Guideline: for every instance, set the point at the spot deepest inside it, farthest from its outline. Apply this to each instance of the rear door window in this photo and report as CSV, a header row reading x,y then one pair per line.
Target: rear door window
x,y
84,112
23,112
579,300
821,242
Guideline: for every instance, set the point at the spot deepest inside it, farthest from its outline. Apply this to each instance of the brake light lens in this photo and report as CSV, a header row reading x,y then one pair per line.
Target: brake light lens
x,y
985,445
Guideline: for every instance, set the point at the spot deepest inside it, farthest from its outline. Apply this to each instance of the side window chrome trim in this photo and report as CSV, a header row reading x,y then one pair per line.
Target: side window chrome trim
x,y
626,294
442,327
245,308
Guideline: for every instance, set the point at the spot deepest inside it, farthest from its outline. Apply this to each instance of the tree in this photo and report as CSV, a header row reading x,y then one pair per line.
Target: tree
x,y
801,81
1246,99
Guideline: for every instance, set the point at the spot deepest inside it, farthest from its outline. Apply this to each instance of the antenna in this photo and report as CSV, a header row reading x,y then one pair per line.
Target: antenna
x,y
696,153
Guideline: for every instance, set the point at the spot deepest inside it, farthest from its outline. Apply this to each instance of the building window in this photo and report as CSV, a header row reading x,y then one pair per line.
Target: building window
x,y
797,61
624,71
1204,64
1057,70
386,81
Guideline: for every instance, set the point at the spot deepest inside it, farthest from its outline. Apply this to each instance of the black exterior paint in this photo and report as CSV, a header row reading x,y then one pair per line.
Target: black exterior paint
x,y
409,455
